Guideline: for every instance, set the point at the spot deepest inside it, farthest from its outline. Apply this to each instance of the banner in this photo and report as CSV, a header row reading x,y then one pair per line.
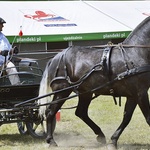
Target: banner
x,y
46,21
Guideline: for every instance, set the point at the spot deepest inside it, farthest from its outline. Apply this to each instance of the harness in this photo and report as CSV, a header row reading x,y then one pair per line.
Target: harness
x,y
105,62
104,66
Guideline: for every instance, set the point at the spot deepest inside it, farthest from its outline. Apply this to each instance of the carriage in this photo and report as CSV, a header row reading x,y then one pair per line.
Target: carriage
x,y
26,117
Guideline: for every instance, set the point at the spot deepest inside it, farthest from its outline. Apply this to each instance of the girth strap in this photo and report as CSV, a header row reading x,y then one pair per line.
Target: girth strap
x,y
105,61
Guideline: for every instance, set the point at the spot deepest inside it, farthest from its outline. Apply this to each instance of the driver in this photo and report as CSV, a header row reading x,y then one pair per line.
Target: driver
x,y
5,50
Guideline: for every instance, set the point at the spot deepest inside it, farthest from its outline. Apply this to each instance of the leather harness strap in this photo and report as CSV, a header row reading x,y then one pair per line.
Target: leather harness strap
x,y
105,66
105,62
123,45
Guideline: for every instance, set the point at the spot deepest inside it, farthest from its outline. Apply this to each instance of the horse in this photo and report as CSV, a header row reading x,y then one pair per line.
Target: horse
x,y
119,70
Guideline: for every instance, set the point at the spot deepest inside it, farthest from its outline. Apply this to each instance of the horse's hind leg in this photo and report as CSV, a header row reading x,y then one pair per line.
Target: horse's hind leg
x,y
82,113
128,112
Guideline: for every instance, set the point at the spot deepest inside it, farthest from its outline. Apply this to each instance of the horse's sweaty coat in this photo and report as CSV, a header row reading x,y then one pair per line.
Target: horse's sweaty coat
x,y
128,67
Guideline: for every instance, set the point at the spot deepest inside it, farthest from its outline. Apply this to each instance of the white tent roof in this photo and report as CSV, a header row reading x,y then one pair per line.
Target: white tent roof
x,y
44,21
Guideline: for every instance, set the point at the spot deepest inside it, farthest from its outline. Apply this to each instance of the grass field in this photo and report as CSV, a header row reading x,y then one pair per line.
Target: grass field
x,y
72,134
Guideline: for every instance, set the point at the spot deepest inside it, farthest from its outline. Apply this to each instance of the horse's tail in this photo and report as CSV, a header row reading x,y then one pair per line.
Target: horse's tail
x,y
44,89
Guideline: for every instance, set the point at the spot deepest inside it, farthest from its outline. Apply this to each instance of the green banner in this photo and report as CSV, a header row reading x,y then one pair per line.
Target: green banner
x,y
68,37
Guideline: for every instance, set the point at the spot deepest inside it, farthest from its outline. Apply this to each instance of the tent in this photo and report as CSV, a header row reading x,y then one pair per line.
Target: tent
x,y
50,21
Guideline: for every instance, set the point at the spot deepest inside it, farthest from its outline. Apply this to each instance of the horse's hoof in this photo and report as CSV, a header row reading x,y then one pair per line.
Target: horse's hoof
x,y
53,144
111,146
101,140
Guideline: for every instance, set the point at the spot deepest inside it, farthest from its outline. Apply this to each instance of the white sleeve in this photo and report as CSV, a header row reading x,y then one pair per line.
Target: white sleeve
x,y
4,44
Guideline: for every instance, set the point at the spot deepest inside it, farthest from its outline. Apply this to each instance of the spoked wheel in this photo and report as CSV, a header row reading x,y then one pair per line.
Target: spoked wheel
x,y
38,129
22,128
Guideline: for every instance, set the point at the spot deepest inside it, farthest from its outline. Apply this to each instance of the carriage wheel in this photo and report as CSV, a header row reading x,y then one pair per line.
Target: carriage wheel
x,y
38,129
22,128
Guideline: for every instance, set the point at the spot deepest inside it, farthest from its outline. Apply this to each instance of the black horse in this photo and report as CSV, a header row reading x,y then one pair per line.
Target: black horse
x,y
117,70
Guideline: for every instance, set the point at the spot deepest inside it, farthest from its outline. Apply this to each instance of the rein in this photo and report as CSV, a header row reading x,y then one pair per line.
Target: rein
x,y
126,74
97,67
120,44
33,59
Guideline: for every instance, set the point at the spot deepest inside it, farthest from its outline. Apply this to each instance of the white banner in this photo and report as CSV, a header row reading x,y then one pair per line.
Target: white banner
x,y
71,17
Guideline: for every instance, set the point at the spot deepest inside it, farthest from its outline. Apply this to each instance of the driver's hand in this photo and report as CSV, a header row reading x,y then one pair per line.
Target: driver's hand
x,y
4,52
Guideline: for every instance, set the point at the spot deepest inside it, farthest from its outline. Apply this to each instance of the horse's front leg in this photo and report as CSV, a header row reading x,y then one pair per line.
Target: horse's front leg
x,y
51,113
50,116
128,112
82,113
144,104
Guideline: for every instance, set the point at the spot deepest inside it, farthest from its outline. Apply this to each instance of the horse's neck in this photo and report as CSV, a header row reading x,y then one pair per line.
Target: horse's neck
x,y
140,35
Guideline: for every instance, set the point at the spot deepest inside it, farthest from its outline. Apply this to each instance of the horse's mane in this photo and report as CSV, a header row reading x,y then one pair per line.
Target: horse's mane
x,y
143,27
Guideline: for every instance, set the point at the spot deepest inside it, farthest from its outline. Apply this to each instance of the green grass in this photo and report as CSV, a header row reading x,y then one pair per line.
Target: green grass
x,y
72,134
